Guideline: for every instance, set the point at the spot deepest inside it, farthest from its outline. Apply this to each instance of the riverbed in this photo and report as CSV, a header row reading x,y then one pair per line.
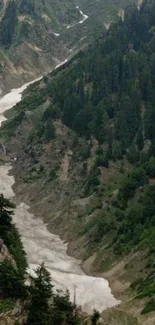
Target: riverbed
x,y
42,246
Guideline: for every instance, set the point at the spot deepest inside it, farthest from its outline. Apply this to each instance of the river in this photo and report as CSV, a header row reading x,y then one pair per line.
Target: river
x,y
42,246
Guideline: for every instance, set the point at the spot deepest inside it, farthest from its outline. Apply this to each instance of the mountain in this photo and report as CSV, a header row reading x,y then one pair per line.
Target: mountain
x,y
29,38
36,35
84,141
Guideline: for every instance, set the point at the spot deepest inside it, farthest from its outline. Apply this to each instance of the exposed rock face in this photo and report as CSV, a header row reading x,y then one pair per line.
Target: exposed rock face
x,y
12,316
17,314
4,253
18,309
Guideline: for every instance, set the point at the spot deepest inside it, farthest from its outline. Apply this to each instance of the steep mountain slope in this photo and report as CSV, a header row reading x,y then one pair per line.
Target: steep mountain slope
x,y
97,9
84,141
29,37
37,35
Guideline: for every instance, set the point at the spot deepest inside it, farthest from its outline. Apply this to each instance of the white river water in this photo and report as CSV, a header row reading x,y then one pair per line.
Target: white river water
x,y
42,246
85,17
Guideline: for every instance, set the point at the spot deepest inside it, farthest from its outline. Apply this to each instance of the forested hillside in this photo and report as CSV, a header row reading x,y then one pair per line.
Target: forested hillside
x,y
29,38
37,35
85,147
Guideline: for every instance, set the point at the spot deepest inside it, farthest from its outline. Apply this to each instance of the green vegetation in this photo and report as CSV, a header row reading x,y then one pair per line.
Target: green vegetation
x,y
14,31
41,292
105,95
8,24
6,305
149,307
10,235
12,276
119,317
39,301
47,307
34,34
108,94
11,281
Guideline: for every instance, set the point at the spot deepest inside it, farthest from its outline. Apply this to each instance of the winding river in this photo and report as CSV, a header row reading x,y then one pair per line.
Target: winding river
x,y
42,246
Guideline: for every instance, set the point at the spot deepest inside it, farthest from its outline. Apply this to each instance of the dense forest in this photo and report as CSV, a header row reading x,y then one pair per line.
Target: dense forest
x,y
108,89
104,90
106,93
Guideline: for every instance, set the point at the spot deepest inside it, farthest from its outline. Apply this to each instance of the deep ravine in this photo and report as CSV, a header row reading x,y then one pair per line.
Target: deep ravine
x,y
42,246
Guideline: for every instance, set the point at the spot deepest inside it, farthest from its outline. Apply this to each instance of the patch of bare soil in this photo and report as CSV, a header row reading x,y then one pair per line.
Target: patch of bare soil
x,y
65,166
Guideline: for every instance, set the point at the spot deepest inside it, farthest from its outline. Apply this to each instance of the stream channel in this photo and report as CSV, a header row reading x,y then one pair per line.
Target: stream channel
x,y
42,246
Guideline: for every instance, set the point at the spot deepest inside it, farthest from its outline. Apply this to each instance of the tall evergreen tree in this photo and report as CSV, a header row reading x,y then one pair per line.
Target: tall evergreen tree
x,y
11,283
140,139
6,213
41,292
95,317
49,130
64,311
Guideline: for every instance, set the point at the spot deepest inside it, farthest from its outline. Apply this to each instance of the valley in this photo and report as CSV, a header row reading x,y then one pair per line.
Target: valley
x,y
78,148
41,246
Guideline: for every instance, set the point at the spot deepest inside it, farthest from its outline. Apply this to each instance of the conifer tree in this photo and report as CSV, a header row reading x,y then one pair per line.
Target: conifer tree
x,y
11,283
63,311
140,139
49,130
41,292
95,317
6,213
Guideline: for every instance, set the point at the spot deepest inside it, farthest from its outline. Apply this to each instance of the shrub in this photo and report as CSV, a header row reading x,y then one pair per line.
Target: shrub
x,y
149,307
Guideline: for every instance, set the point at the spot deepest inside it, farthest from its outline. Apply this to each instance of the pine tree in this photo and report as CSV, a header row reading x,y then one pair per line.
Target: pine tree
x,y
49,130
140,139
133,154
6,213
63,311
95,317
11,282
41,292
